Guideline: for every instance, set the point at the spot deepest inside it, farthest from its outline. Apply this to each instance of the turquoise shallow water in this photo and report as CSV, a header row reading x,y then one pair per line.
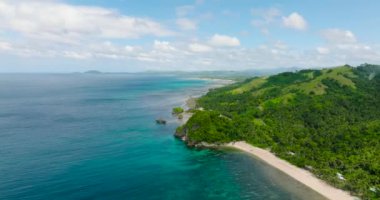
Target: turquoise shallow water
x,y
81,136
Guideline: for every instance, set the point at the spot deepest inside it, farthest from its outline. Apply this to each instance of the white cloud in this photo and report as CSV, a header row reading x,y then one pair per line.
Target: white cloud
x,y
59,21
199,48
129,48
342,46
224,41
51,29
354,54
280,45
186,24
197,55
295,21
77,55
323,50
338,36
5,46
163,46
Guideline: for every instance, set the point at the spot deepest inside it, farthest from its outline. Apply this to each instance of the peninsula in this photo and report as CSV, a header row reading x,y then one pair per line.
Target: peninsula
x,y
326,122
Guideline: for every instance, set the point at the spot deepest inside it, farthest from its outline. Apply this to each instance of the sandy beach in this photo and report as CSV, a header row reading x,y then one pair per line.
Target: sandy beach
x,y
301,175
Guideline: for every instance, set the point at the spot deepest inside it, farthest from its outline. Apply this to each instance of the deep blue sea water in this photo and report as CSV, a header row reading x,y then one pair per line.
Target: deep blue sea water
x,y
85,136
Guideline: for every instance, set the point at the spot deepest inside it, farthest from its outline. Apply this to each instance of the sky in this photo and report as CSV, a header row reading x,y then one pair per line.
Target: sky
x,y
186,35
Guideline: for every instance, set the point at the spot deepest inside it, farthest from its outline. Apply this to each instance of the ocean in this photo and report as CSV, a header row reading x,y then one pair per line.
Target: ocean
x,y
94,136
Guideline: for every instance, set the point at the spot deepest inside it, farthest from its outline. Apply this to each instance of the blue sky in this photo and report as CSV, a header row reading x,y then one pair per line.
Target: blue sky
x,y
139,35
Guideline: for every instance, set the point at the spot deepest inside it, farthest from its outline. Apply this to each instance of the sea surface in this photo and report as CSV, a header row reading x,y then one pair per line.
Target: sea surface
x,y
94,136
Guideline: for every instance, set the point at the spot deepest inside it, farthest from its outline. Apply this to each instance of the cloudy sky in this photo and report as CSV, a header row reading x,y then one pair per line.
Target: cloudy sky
x,y
138,35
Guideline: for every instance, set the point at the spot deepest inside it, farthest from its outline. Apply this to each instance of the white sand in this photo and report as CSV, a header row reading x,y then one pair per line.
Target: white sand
x,y
301,175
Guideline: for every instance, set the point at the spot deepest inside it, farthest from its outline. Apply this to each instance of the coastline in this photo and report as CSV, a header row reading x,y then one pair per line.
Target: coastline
x,y
189,102
303,176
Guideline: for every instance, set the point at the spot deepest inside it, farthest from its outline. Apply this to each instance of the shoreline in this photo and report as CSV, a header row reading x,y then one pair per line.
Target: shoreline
x,y
189,102
301,175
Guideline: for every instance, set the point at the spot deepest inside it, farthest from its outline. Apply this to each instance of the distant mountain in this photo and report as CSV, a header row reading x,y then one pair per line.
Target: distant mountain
x,y
92,72
327,121
228,74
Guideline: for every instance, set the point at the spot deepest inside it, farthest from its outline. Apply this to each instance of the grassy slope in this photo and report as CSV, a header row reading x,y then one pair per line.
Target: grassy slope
x,y
329,119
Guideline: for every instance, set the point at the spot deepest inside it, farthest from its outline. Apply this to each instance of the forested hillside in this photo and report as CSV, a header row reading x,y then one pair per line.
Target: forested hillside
x,y
327,121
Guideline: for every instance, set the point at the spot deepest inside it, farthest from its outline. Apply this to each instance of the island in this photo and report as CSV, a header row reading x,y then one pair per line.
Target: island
x,y
92,72
323,121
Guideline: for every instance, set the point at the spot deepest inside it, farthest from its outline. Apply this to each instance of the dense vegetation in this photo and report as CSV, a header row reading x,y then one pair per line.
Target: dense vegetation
x,y
327,121
177,110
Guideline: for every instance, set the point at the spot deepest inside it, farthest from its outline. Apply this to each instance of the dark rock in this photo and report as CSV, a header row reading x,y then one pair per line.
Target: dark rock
x,y
161,121
181,133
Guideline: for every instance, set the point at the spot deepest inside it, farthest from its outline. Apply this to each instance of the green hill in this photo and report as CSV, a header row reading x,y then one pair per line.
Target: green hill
x,y
327,121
